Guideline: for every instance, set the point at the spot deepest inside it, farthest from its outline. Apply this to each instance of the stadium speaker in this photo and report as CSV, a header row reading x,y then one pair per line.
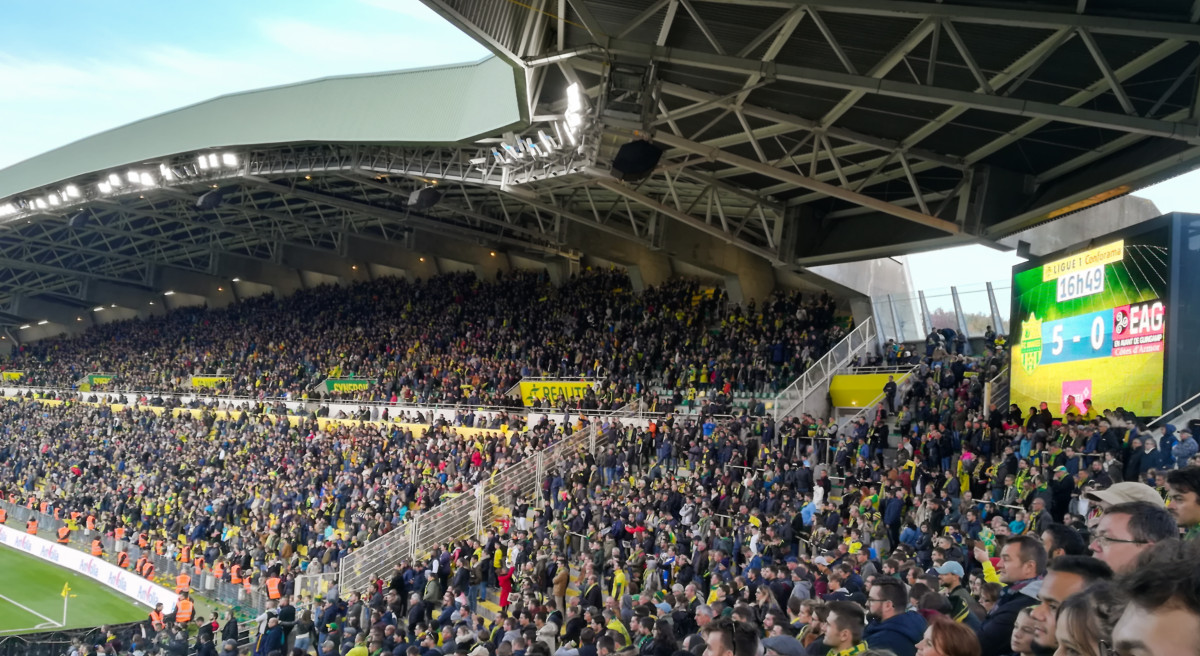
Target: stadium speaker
x,y
1023,249
424,198
635,160
211,199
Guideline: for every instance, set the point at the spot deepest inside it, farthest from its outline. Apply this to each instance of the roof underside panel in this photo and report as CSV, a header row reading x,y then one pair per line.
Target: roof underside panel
x,y
436,105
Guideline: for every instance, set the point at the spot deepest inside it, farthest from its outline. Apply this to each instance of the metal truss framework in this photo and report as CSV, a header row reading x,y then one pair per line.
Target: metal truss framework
x,y
741,161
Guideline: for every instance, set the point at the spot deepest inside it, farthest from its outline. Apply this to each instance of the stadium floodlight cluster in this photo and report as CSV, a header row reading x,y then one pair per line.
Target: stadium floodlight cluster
x,y
113,183
524,150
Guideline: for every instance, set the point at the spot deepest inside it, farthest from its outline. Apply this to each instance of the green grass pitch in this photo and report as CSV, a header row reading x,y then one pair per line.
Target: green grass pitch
x,y
31,597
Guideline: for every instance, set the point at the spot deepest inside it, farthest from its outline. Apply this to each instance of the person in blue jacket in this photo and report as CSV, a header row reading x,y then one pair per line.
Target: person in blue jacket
x,y
891,627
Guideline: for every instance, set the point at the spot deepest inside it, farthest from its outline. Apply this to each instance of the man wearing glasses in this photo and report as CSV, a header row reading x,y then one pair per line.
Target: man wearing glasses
x,y
891,627
1126,530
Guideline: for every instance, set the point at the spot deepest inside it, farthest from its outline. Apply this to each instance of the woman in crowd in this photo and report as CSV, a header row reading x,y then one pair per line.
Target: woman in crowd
x,y
1085,622
945,637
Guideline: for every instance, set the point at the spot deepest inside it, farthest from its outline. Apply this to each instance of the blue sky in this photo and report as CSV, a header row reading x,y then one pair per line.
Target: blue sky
x,y
72,68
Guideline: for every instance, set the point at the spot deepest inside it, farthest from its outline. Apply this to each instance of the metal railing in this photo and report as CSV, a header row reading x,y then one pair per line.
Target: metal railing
x,y
471,513
796,398
1179,411
902,386
997,391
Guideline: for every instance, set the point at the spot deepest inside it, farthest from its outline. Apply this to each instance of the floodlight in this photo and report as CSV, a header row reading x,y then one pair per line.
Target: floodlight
x,y
168,293
43,322
114,180
229,159
202,161
105,188
147,180
73,191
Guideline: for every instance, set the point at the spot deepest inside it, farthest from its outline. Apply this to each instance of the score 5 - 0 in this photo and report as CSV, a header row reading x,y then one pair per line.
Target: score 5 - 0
x,y
1083,337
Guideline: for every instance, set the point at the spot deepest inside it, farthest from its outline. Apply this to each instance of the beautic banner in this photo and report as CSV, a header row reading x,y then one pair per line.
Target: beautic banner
x,y
126,583
99,379
209,381
348,384
12,375
553,390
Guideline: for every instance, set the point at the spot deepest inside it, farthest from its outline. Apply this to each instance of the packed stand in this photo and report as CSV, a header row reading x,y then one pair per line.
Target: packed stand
x,y
455,339
986,531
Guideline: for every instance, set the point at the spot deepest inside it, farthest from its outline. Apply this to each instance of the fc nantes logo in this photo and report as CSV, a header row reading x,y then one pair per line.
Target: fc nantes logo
x,y
1031,343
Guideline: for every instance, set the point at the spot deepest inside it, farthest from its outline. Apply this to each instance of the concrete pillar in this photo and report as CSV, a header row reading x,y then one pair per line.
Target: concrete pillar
x,y
72,319
217,292
113,296
282,279
345,270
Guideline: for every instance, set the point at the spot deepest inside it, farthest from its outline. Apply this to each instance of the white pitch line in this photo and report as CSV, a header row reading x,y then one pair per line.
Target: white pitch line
x,y
31,611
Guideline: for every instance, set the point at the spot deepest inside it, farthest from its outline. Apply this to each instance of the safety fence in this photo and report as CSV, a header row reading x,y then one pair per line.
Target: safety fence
x,y
809,392
245,604
488,504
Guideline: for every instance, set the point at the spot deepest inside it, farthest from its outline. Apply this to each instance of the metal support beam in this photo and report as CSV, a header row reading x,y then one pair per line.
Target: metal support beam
x,y
809,183
936,95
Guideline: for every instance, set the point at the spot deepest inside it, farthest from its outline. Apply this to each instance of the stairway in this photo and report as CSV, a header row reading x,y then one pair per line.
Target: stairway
x,y
807,394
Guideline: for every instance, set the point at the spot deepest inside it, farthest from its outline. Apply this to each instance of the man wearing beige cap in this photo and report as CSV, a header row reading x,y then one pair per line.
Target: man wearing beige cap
x,y
1127,492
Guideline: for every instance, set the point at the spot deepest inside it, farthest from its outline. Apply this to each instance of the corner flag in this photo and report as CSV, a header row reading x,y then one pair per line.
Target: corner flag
x,y
66,590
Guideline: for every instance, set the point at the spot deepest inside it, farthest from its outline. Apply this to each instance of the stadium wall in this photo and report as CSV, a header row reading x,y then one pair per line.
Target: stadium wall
x,y
124,583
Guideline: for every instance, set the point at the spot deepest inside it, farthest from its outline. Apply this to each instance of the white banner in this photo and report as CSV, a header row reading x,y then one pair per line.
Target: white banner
x,y
126,583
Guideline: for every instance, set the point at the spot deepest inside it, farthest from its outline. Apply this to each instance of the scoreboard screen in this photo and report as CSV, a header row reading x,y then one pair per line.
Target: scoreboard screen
x,y
1092,325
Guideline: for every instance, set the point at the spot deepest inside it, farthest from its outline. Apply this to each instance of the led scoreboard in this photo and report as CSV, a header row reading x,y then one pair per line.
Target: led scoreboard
x,y
1091,325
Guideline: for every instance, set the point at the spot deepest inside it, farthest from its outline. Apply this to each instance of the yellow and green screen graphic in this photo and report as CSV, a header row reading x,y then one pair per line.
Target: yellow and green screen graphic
x,y
1090,326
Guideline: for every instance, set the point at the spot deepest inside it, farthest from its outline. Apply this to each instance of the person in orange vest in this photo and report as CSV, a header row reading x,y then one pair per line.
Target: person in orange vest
x,y
148,570
184,609
159,549
198,564
157,621
140,564
218,570
89,525
274,584
123,560
97,547
183,582
235,574
143,541
64,535
3,516
31,526
247,583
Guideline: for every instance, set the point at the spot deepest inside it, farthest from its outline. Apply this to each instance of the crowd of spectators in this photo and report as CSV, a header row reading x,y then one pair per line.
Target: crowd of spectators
x,y
455,339
933,525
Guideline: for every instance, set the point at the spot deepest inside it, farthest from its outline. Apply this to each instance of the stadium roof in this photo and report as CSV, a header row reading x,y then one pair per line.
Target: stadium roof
x,y
793,134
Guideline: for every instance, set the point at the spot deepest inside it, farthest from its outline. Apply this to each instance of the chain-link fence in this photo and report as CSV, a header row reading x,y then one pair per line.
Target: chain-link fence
x,y
165,569
314,586
470,514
